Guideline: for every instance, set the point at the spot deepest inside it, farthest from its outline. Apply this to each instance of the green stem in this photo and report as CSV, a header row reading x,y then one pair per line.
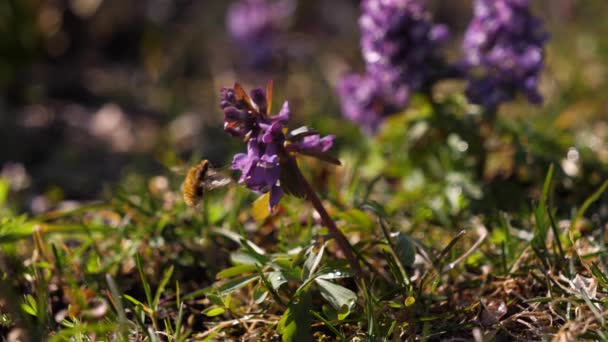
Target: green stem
x,y
336,233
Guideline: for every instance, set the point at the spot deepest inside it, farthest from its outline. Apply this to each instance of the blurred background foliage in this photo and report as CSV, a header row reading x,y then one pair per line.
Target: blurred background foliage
x,y
94,90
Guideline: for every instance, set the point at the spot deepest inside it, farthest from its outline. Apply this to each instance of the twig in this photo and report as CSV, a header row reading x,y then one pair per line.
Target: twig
x,y
482,238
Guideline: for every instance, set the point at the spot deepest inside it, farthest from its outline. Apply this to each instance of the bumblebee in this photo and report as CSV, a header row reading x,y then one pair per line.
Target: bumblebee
x,y
199,179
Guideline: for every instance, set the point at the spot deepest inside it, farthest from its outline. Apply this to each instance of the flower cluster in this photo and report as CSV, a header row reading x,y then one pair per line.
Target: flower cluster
x,y
400,43
256,26
503,49
400,46
364,102
504,41
270,147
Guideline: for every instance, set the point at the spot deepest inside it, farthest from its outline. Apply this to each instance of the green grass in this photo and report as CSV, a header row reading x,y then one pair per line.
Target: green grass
x,y
445,252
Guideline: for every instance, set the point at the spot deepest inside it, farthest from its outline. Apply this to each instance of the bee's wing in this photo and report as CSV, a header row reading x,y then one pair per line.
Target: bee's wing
x,y
216,180
214,184
213,170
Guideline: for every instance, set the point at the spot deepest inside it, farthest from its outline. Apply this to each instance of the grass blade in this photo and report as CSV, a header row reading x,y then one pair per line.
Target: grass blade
x,y
587,204
161,287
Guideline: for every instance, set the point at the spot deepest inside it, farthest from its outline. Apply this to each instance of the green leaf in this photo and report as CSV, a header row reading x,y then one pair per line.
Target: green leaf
x,y
161,287
587,204
276,278
15,228
240,257
246,244
77,332
214,311
405,249
236,284
546,188
291,271
341,298
235,270
335,270
215,299
260,293
30,306
296,321
133,300
312,262
603,280
227,300
144,281
255,251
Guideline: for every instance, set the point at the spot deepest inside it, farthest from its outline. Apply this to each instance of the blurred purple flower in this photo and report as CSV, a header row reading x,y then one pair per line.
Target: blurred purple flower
x,y
400,45
364,102
255,25
269,146
312,144
504,41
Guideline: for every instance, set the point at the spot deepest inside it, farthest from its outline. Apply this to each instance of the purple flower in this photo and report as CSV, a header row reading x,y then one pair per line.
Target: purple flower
x,y
364,101
260,169
256,25
504,42
400,44
269,147
239,117
312,144
273,131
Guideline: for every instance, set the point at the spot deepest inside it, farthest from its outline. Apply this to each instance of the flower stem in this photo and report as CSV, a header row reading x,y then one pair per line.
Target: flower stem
x,y
336,233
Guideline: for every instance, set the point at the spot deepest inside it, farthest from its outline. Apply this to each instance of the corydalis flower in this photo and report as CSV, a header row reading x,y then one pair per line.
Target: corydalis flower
x,y
260,169
400,44
270,147
364,102
256,26
312,144
504,41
